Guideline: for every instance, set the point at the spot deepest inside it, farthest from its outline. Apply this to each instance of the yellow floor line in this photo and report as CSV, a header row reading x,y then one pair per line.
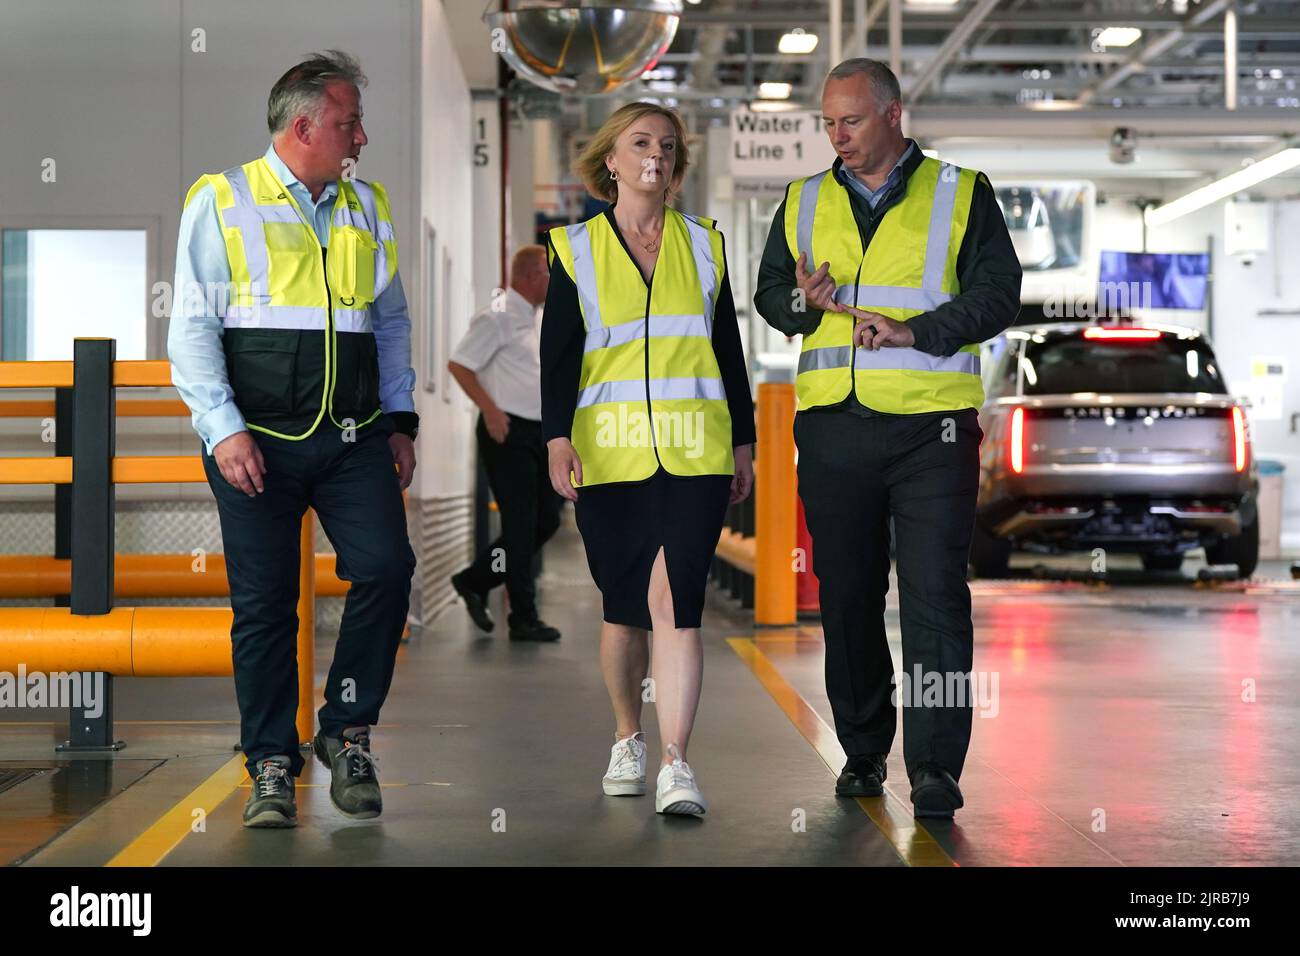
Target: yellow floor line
x,y
149,848
914,844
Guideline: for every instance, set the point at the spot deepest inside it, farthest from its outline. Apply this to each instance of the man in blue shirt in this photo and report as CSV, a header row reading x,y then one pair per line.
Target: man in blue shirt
x,y
290,342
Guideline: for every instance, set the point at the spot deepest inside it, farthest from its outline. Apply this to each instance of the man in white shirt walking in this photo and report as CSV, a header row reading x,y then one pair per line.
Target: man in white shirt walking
x,y
496,363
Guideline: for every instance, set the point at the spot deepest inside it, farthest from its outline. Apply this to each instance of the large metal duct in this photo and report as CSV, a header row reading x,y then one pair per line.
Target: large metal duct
x,y
583,46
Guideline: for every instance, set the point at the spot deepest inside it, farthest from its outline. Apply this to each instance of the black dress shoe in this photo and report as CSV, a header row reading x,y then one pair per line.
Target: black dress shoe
x,y
935,793
475,603
532,629
863,776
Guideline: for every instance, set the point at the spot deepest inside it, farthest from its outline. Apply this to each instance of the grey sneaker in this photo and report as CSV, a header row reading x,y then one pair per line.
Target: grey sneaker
x,y
271,803
354,787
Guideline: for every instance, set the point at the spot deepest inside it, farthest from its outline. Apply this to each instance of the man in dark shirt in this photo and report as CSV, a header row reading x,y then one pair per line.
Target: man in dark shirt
x,y
859,467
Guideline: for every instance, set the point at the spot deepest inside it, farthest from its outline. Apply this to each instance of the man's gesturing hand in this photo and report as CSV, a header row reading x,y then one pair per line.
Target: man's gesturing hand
x,y
404,455
818,287
240,462
888,332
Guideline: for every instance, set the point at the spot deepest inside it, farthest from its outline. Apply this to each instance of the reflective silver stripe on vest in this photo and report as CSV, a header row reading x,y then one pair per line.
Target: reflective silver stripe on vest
x,y
660,325
910,358
273,317
662,389
807,210
936,243
584,268
248,219
890,297
352,320
705,268
814,360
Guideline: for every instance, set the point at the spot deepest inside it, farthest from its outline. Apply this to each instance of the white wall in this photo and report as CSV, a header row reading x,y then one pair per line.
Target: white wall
x,y
446,451
132,115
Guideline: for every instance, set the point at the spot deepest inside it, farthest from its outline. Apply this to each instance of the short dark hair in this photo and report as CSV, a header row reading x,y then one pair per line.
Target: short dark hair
x,y
301,91
883,82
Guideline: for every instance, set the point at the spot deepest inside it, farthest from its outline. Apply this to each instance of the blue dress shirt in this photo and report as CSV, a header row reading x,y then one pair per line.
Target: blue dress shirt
x,y
873,196
194,336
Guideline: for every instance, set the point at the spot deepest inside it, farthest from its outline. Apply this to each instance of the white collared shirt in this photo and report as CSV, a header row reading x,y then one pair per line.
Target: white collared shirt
x,y
501,348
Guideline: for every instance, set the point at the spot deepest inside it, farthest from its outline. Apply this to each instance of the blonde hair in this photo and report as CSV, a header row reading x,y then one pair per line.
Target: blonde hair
x,y
590,165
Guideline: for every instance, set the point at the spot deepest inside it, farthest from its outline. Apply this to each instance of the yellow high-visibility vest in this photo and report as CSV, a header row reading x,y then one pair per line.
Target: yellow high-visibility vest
x,y
910,267
650,390
284,284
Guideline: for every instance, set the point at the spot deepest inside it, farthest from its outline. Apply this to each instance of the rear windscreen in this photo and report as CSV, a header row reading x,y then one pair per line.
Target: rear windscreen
x,y
1064,364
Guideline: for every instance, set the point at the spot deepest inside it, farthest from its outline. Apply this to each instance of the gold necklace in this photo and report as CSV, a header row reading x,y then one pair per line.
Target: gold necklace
x,y
653,244
650,246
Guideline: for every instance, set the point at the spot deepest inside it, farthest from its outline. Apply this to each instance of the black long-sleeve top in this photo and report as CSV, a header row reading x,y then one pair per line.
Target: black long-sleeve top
x,y
563,335
987,268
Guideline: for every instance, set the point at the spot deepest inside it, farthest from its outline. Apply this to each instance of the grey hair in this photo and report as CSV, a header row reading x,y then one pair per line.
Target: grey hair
x,y
301,91
884,85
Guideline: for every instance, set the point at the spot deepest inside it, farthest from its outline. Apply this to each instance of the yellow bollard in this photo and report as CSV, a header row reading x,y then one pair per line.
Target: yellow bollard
x,y
775,513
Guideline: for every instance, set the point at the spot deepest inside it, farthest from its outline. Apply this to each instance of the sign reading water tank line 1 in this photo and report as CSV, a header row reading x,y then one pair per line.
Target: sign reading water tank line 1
x,y
769,150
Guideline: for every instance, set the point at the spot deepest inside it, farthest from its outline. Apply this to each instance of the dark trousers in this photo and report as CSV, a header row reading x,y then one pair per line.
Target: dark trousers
x,y
854,474
530,514
353,487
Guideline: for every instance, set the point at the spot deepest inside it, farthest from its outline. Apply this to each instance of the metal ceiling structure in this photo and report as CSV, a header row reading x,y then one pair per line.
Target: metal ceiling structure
x,y
986,53
1010,84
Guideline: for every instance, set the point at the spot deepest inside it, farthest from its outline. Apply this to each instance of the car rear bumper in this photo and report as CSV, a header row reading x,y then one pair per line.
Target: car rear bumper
x,y
1039,520
1088,479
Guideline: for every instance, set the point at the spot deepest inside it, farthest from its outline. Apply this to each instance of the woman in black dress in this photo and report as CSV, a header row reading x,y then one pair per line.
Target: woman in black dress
x,y
624,334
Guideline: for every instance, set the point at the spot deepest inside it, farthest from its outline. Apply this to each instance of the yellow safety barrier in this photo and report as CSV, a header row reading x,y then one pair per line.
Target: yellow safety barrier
x,y
139,408
144,575
125,642
737,550
136,642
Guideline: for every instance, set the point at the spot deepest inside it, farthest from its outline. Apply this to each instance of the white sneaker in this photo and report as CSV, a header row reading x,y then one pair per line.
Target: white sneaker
x,y
626,774
677,791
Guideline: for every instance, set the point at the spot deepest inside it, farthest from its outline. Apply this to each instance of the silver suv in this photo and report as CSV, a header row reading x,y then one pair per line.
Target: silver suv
x,y
1113,437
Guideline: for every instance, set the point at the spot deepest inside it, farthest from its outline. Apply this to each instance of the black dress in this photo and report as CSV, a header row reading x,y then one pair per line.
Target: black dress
x,y
625,524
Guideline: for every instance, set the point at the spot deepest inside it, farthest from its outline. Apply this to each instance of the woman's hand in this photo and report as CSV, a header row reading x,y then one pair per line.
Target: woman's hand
x,y
563,458
742,483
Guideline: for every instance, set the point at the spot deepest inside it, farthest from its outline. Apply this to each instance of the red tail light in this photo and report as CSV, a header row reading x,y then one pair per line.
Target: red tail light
x,y
1238,438
1018,440
1131,335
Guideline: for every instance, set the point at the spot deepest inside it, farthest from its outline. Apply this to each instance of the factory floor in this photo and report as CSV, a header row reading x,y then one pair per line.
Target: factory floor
x,y
1148,721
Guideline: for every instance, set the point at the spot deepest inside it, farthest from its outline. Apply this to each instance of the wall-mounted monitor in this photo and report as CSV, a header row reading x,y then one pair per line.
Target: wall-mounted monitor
x,y
1154,280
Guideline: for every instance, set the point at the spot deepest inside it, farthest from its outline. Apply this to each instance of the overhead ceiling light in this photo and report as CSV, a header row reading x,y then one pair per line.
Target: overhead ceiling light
x,y
774,91
1225,187
1118,36
796,41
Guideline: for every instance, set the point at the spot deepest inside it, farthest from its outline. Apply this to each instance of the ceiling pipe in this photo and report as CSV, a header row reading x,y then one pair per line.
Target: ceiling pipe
x,y
896,37
1230,57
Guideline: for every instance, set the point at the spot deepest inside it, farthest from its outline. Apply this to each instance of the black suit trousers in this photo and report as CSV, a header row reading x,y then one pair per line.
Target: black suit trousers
x,y
855,473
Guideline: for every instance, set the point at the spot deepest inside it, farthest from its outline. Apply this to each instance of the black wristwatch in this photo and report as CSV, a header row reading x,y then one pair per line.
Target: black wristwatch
x,y
406,423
